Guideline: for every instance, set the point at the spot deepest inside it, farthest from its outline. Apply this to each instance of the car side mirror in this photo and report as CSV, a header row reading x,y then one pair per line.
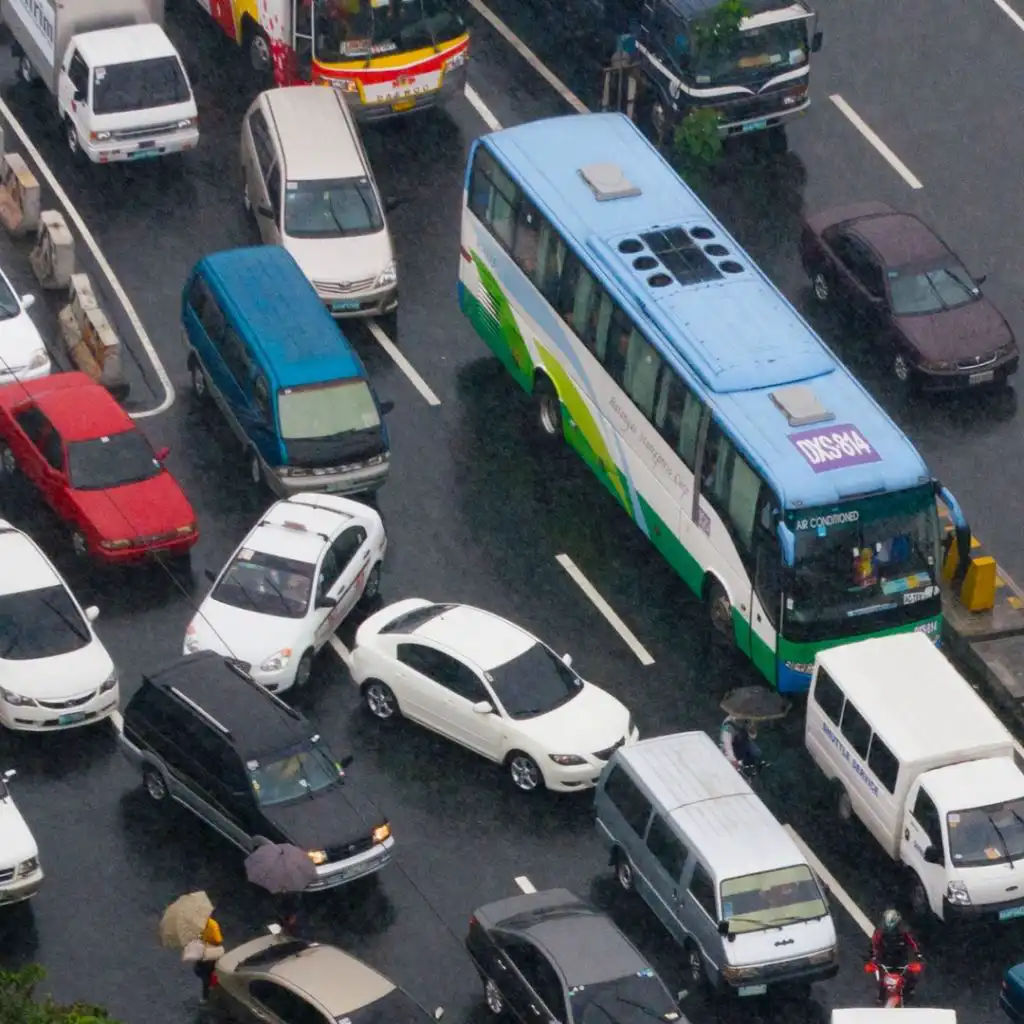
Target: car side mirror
x,y
9,774
979,281
483,707
723,927
210,575
438,1012
816,41
326,602
28,301
161,454
346,761
386,407
92,613
932,855
567,660
265,211
393,203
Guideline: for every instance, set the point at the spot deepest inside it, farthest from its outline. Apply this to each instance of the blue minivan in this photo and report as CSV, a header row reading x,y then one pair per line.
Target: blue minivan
x,y
263,347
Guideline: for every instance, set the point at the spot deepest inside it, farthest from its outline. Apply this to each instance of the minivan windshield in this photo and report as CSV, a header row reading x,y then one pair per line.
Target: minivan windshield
x,y
293,775
986,835
769,50
340,208
329,410
770,899
139,85
266,584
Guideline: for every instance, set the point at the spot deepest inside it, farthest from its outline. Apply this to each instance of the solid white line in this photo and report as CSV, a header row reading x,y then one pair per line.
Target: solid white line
x,y
525,884
530,57
101,262
832,885
1010,13
605,609
340,650
887,154
482,109
403,364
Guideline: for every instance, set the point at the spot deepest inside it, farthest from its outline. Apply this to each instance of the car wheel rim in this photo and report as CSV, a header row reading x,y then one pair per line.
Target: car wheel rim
x,y
246,201
845,806
78,544
525,774
303,672
820,288
7,458
550,415
493,997
901,369
72,139
721,613
254,469
372,583
624,874
26,69
155,786
918,899
198,382
380,700
696,967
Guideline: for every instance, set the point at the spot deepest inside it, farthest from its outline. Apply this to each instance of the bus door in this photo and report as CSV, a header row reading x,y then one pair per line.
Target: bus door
x,y
766,599
302,38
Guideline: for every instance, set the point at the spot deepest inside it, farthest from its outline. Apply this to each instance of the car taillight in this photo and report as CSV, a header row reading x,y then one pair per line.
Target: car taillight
x,y
915,967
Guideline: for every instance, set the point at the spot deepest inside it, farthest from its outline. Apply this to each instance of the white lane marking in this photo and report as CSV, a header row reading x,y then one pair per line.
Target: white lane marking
x,y
525,884
403,364
341,651
101,261
605,609
832,885
482,109
886,153
530,57
1010,13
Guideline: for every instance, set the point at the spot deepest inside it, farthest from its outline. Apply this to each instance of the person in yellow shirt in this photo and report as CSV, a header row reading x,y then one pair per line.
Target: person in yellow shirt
x,y
213,940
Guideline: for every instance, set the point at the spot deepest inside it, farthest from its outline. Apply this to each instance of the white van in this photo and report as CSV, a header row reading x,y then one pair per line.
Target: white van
x,y
921,760
907,1015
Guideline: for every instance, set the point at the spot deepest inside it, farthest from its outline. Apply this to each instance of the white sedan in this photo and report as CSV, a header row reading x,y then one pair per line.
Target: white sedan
x,y
492,687
23,355
303,567
54,671
20,873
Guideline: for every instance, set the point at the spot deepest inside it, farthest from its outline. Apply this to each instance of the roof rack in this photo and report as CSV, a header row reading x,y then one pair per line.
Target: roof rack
x,y
290,524
220,726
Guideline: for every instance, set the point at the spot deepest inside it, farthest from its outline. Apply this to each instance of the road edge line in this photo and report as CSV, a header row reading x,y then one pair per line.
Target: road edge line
x,y
483,111
875,141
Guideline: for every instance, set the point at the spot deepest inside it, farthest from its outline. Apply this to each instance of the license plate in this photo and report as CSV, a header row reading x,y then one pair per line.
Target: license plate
x,y
982,378
145,154
403,105
75,716
341,307
147,145
755,126
1010,913
752,990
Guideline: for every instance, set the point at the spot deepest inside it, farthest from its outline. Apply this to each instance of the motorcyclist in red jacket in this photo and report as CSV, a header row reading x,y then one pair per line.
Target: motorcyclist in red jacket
x,y
892,945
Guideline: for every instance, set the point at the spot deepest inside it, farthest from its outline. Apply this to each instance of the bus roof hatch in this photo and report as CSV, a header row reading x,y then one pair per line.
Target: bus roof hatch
x,y
800,405
607,181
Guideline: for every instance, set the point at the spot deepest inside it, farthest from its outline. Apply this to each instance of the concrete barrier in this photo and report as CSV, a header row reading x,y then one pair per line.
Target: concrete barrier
x,y
92,342
53,256
19,196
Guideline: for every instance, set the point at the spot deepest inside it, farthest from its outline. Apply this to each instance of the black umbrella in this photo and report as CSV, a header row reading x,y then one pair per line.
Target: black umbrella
x,y
755,704
280,867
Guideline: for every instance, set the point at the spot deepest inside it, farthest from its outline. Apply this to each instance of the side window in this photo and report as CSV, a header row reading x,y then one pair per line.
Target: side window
x,y
526,247
209,313
197,296
235,356
551,252
330,570
769,576
677,416
883,763
216,758
643,365
418,658
926,815
539,974
444,670
731,484
626,796
828,696
285,1004
493,197
577,295
261,397
702,889
855,728
594,329
274,191
261,141
667,849
53,450
615,351
34,424
347,545
480,183
78,73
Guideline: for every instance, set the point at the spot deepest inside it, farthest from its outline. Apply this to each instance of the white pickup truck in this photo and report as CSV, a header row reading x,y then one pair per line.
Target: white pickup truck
x,y
120,87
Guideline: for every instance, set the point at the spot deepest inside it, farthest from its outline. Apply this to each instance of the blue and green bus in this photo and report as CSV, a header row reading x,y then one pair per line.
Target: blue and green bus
x,y
754,462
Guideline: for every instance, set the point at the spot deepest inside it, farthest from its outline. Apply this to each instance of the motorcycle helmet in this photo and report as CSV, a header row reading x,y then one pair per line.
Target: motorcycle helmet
x,y
891,921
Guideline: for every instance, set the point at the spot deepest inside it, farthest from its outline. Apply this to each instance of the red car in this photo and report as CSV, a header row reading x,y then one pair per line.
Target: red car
x,y
94,468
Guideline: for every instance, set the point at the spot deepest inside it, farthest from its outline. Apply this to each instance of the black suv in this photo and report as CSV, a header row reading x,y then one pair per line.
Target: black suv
x,y
205,734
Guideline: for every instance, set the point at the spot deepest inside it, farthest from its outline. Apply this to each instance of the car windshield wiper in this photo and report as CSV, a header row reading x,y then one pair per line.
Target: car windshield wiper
x,y
1002,838
277,590
75,627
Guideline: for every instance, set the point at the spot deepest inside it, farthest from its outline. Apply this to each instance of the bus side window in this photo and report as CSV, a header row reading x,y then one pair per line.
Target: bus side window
x,y
768,577
600,323
525,251
642,366
678,415
550,261
577,296
493,197
730,483
616,349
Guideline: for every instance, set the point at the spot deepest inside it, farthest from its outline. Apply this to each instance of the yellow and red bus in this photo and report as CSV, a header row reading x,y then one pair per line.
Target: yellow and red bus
x,y
388,57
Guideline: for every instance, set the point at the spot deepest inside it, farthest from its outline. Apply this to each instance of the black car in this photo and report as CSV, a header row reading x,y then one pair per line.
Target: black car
x,y
550,956
206,735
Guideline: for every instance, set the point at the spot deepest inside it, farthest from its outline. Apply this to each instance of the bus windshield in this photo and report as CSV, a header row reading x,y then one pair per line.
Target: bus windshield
x,y
875,558
753,54
350,29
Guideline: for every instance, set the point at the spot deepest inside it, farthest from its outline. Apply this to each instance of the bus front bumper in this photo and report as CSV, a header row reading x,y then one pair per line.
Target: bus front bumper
x,y
452,84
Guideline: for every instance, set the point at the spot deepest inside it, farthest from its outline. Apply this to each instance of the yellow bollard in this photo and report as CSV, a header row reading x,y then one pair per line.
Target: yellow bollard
x,y
978,594
951,562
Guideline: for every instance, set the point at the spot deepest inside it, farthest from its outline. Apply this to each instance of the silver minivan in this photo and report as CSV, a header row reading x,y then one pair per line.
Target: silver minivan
x,y
308,183
685,831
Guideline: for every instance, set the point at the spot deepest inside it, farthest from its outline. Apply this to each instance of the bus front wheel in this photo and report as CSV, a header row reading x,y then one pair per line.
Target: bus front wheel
x,y
720,610
549,409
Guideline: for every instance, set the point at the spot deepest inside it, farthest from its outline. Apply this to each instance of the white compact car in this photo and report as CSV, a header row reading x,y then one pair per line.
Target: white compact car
x,y
20,873
303,567
492,687
54,671
23,355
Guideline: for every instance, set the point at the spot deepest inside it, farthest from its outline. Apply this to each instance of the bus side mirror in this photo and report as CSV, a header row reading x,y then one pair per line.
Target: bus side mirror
x,y
816,41
787,541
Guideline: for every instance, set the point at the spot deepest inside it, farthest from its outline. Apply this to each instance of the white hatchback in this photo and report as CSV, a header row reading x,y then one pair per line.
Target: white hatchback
x,y
54,671
20,873
492,687
23,354
303,567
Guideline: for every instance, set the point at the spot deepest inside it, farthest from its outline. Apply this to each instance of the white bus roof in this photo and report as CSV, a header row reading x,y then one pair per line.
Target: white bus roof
x,y
928,708
878,1015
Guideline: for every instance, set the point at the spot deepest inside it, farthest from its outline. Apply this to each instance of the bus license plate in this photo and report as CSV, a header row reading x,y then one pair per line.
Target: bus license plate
x,y
76,716
982,378
755,126
403,105
1010,913
344,307
752,990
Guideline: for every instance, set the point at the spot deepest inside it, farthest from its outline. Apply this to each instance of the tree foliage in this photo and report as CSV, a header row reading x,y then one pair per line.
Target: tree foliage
x,y
717,32
19,1003
696,144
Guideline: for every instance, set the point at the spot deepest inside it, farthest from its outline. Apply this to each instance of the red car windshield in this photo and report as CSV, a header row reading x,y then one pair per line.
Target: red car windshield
x,y
111,461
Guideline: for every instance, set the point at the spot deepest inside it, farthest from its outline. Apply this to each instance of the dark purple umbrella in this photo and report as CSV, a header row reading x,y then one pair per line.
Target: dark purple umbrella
x,y
279,867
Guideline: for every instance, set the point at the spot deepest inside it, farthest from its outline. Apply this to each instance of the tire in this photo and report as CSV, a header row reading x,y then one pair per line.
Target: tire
x,y
372,588
844,805
261,57
492,998
524,772
720,612
200,387
549,410
155,785
78,158
821,287
624,872
902,369
26,72
380,700
303,671
695,969
8,463
79,545
917,899
255,469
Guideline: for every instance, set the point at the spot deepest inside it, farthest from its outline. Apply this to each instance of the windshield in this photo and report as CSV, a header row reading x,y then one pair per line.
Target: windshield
x,y
534,683
632,1000
9,305
344,208
111,461
987,835
770,899
266,584
139,85
914,291
364,28
862,564
293,776
40,624
323,411
748,56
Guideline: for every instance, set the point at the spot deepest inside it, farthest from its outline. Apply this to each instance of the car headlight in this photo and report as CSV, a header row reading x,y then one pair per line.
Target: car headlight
x,y
938,364
957,894
345,85
566,760
26,867
317,856
1001,353
452,63
382,832
99,136
16,699
387,277
186,122
186,531
277,660
39,360
795,96
109,683
114,545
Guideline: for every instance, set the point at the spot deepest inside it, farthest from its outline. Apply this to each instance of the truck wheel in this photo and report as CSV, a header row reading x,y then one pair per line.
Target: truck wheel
x,y
260,55
74,143
844,805
26,72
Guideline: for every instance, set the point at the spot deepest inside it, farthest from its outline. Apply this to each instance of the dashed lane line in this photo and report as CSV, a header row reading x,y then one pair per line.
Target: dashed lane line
x,y
884,151
403,364
862,919
525,884
482,109
605,609
101,261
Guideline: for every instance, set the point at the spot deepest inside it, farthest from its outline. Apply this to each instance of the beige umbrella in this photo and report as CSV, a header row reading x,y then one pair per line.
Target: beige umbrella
x,y
185,919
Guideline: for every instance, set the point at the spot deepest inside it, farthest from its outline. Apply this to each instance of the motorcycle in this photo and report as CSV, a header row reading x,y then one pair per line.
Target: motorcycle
x,y
893,980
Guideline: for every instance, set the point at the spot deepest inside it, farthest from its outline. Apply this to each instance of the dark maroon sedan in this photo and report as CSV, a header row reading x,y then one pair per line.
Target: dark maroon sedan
x,y
898,277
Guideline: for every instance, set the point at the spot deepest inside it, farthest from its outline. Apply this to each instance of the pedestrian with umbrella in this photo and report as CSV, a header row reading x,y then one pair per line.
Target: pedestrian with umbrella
x,y
188,924
283,870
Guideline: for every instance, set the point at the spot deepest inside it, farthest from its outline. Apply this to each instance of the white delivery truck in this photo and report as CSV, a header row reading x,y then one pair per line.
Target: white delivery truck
x,y
878,1015
921,760
121,90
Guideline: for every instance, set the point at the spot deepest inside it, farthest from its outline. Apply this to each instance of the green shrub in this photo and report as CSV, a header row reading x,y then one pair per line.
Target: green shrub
x,y
696,144
20,1005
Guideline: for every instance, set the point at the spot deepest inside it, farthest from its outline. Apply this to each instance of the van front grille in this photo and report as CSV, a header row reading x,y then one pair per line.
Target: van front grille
x,y
327,289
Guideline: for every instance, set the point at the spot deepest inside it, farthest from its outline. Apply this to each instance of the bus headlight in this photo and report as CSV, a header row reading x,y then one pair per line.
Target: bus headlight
x,y
456,62
346,85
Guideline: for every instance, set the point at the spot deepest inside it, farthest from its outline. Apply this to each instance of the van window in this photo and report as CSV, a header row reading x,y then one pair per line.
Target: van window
x,y
828,696
702,889
261,141
235,355
667,849
883,763
856,729
201,299
926,815
274,191
626,796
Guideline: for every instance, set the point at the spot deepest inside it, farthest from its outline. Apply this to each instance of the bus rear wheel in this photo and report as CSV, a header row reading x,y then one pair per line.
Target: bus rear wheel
x,y
720,611
549,409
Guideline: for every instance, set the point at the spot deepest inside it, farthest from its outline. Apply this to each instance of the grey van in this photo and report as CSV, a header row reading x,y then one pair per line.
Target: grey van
x,y
685,831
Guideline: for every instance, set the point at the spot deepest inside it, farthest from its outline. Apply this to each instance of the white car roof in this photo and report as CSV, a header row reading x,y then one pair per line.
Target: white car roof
x,y
971,784
485,639
300,527
23,567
